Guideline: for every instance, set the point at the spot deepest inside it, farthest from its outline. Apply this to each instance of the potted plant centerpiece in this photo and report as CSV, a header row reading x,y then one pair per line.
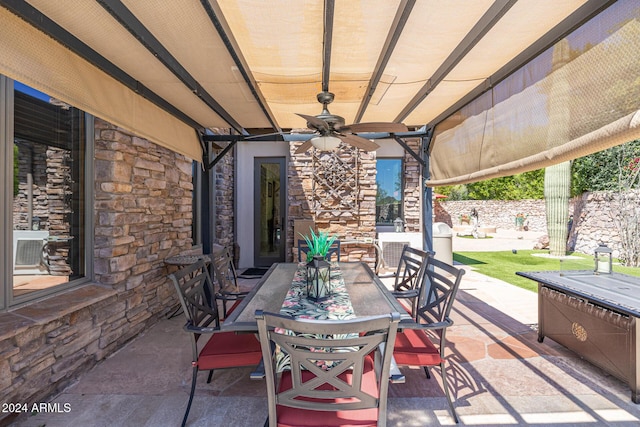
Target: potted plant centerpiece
x,y
319,244
318,268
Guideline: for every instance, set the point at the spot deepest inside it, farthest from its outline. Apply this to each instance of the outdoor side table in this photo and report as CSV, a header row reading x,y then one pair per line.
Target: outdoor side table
x,y
183,260
596,316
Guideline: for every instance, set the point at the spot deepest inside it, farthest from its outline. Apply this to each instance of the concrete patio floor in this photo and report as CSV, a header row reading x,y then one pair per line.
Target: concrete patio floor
x,y
499,373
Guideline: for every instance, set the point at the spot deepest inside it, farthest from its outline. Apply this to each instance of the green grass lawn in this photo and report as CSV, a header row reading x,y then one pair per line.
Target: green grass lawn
x,y
504,264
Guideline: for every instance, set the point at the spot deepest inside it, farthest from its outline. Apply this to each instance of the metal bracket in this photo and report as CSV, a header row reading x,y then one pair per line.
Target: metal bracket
x,y
220,155
410,150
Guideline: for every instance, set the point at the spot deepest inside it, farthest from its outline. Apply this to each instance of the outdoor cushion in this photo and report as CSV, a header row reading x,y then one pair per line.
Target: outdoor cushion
x,y
414,348
228,349
294,417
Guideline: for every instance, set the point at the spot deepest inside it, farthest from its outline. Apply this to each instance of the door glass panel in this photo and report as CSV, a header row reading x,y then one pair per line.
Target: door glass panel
x,y
269,212
48,214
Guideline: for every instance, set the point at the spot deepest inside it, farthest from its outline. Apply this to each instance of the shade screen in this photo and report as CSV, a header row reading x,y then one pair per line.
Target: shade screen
x,y
580,96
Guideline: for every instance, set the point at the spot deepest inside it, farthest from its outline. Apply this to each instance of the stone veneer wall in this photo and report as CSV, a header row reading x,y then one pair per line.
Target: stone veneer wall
x,y
497,213
592,218
593,223
32,158
224,200
347,224
143,203
353,225
143,196
412,190
51,190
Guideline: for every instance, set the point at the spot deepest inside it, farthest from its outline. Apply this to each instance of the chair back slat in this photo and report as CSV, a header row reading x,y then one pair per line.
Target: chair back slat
x,y
225,279
416,346
222,349
438,292
224,272
410,275
328,361
195,291
410,268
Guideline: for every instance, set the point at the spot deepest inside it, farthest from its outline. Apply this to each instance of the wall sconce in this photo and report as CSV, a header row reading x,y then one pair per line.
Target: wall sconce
x,y
603,258
318,279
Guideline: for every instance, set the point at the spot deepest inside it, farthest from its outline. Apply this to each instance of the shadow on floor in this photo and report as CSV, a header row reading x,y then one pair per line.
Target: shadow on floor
x,y
499,373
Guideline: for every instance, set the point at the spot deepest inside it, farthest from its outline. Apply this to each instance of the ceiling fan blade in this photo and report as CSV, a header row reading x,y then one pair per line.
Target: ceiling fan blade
x,y
375,127
359,142
303,147
316,123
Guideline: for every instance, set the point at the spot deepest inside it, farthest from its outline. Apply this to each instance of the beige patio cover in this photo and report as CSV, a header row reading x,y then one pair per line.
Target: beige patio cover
x,y
579,97
263,61
37,60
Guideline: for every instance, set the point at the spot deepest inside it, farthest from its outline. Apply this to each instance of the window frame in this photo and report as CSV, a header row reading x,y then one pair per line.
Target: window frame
x,y
7,299
402,183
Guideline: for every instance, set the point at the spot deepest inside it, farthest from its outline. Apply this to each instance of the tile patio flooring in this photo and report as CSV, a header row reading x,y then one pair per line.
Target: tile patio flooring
x,y
503,377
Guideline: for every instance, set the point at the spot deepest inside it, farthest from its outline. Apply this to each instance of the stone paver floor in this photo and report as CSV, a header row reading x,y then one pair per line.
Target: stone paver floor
x,y
499,373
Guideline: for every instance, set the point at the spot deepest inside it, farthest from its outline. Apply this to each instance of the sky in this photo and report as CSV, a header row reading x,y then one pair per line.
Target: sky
x,y
21,87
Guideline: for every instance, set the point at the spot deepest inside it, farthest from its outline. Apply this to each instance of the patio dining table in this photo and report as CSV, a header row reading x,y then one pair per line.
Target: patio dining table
x,y
367,295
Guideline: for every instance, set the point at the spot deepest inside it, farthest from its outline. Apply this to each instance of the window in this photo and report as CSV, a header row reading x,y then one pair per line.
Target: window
x,y
47,219
389,194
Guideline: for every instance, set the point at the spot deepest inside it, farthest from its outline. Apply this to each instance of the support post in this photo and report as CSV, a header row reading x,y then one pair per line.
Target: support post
x,y
207,202
427,193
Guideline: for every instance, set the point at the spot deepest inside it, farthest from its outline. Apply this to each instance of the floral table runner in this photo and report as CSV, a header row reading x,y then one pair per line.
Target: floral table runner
x,y
296,304
337,307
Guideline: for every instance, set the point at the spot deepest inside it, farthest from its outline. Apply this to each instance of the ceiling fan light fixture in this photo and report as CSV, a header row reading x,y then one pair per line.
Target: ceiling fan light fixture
x,y
325,143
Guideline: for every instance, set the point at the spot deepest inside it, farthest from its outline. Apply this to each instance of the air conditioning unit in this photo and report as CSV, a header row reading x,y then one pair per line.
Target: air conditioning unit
x,y
391,245
27,252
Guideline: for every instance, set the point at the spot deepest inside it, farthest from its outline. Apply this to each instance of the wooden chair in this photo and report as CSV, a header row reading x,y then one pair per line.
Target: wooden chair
x,y
423,343
337,376
333,250
409,275
223,349
226,280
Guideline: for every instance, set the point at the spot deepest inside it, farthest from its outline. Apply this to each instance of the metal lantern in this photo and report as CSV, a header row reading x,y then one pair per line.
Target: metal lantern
x,y
398,225
603,260
318,279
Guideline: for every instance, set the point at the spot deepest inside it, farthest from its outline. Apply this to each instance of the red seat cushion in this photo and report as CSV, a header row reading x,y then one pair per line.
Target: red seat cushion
x,y
228,349
414,348
295,417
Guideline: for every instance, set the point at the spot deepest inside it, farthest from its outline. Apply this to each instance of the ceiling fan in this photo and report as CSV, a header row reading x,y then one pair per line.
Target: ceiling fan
x,y
330,129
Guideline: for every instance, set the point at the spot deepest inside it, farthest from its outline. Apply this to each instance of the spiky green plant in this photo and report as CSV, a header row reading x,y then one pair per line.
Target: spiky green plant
x,y
557,178
557,189
318,244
